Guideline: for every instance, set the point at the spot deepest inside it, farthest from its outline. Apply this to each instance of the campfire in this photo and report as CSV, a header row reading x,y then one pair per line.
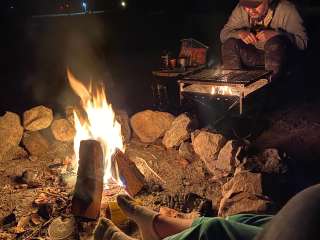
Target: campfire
x,y
170,164
99,149
99,124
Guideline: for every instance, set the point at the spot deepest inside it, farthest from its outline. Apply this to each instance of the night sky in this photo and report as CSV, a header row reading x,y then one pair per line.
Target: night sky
x,y
122,45
27,7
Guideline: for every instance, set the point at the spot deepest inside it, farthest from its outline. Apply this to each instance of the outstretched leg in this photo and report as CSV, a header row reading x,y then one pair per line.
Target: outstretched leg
x,y
106,230
152,225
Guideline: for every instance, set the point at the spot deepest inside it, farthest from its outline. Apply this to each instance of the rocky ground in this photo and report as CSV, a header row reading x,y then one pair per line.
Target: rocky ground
x,y
187,170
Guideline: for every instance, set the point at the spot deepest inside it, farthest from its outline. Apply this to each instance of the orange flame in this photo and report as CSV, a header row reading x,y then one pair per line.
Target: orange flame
x,y
100,125
222,90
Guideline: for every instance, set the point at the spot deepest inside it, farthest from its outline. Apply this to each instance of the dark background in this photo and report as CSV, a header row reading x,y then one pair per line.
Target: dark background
x,y
120,47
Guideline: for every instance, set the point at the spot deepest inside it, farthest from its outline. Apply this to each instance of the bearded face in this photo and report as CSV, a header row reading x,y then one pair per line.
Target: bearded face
x,y
259,12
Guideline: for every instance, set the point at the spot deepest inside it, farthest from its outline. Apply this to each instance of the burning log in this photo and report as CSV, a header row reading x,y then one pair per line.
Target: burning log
x,y
129,173
87,196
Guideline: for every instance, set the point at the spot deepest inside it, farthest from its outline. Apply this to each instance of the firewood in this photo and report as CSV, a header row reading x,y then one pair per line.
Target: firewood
x,y
87,196
130,175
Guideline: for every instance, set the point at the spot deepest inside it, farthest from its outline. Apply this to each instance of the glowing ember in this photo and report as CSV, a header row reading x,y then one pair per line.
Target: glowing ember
x,y
100,125
222,90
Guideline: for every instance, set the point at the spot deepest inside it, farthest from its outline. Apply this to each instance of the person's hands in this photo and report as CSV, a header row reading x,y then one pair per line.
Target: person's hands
x,y
265,35
247,37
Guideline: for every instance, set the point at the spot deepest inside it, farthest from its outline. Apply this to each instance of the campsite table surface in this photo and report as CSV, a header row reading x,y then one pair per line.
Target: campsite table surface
x,y
174,73
165,88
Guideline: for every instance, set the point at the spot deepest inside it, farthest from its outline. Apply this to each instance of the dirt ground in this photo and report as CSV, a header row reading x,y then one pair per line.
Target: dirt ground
x,y
167,184
294,130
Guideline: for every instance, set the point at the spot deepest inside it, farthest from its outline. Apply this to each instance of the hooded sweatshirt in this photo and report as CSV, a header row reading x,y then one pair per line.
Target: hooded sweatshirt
x,y
286,20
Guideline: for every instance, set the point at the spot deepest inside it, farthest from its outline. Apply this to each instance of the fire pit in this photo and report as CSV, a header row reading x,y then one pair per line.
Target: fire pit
x,y
99,150
168,165
233,85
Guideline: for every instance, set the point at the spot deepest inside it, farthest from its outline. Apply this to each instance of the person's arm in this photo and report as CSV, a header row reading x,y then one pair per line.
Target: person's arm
x,y
234,25
294,28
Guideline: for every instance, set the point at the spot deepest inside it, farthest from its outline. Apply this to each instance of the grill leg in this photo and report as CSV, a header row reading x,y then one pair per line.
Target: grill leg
x,y
241,103
180,93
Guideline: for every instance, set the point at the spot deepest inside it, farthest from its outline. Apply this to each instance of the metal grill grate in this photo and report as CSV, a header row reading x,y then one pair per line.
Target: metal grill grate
x,y
227,76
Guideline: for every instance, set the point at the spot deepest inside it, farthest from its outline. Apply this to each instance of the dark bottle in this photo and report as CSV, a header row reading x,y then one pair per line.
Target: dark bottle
x,y
164,60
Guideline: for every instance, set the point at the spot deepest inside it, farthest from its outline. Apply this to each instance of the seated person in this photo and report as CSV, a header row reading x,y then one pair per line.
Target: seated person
x,y
262,33
297,220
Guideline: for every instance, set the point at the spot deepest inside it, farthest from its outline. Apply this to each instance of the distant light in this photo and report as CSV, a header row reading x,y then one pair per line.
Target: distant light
x,y
123,4
12,7
84,5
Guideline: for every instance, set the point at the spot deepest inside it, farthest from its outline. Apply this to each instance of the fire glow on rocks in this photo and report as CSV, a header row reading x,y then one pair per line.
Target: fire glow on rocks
x,y
100,125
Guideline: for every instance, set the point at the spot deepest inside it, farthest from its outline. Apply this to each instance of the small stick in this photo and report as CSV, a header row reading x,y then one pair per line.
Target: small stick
x,y
38,229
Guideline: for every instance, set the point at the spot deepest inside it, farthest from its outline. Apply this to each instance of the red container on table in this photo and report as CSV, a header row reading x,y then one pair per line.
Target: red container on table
x,y
194,51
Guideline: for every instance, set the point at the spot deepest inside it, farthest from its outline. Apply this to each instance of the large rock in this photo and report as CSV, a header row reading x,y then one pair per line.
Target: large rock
x,y
178,132
195,133
123,118
37,118
35,143
243,182
63,130
151,125
207,145
186,151
15,153
243,203
243,194
70,110
11,132
227,156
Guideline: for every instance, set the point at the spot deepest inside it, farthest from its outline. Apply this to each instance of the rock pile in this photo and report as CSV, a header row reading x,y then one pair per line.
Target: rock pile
x,y
190,170
38,130
226,160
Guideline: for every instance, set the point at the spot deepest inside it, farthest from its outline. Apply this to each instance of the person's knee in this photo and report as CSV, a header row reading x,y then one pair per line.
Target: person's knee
x,y
231,43
277,43
275,54
231,56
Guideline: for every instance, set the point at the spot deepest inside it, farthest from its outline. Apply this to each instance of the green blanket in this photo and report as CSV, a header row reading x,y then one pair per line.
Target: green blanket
x,y
237,227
